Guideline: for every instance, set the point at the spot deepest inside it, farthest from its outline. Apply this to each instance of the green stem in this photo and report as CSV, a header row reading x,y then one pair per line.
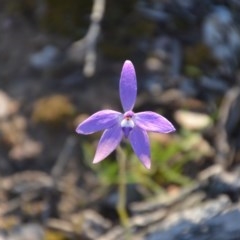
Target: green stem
x,y
122,193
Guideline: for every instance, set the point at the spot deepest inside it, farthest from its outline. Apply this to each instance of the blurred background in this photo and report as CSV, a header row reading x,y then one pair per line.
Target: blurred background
x,y
60,61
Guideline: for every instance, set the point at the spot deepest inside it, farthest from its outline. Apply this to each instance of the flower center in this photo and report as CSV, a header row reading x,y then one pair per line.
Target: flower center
x,y
127,123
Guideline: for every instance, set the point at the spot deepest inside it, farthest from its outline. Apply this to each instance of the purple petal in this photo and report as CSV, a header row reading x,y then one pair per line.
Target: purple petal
x,y
108,142
151,121
128,86
140,144
98,121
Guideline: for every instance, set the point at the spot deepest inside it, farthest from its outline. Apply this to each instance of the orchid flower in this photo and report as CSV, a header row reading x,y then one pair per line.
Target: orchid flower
x,y
133,126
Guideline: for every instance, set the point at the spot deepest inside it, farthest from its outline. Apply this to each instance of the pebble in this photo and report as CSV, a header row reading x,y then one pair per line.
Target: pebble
x,y
44,58
26,149
220,33
192,120
30,231
201,223
7,105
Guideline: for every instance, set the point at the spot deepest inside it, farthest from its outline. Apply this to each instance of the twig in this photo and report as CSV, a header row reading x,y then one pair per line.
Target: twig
x,y
85,48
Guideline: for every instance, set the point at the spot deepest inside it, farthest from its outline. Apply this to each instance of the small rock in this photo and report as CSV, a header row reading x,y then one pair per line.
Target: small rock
x,y
54,110
220,33
13,130
153,63
27,149
44,58
29,231
7,105
197,223
192,120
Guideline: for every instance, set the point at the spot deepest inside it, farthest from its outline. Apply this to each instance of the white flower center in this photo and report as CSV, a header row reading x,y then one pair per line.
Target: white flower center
x,y
127,123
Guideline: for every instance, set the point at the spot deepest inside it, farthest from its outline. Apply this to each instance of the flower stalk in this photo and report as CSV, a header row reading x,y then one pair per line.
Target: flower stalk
x,y
122,188
122,191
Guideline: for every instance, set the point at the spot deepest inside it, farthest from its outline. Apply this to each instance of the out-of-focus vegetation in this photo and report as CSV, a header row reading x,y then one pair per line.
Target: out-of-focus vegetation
x,y
186,55
172,161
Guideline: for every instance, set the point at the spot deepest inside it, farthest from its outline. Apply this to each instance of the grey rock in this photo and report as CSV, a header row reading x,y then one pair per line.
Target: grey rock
x,y
202,223
44,58
221,34
29,231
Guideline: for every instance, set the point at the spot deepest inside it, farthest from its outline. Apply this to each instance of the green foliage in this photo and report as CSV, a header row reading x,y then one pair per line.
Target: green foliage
x,y
193,71
168,163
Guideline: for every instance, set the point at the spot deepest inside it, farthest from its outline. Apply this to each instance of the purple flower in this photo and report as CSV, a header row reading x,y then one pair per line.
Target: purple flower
x,y
133,126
